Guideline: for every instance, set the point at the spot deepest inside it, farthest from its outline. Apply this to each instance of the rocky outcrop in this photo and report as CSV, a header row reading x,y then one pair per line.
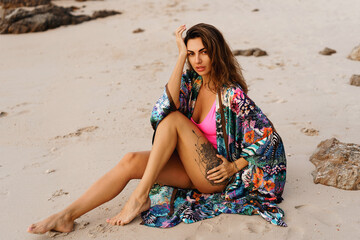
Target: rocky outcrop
x,y
257,52
355,80
355,54
43,18
337,164
22,3
327,51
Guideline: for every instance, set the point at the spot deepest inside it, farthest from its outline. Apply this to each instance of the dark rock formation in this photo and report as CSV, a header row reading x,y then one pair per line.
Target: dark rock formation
x,y
327,51
3,114
355,54
337,164
138,30
44,18
6,4
104,13
257,52
355,80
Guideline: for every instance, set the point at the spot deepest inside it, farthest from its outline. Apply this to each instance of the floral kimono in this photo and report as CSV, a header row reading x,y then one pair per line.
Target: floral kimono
x,y
256,189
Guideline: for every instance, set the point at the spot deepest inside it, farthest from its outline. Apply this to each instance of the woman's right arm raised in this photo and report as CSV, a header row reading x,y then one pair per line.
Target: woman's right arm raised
x,y
175,78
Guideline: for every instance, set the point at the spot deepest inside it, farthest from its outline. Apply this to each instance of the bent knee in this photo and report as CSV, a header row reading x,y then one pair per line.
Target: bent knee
x,y
134,164
173,117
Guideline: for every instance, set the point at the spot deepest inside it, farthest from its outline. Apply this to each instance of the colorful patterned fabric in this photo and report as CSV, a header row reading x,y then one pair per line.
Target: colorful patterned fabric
x,y
256,189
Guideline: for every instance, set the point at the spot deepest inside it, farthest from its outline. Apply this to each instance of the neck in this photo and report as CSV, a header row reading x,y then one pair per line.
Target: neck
x,y
207,83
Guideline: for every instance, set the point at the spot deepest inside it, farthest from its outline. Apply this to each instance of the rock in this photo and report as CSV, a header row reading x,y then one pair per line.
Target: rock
x,y
355,80
255,10
257,52
104,13
138,30
44,18
355,54
327,51
48,171
3,114
22,3
337,164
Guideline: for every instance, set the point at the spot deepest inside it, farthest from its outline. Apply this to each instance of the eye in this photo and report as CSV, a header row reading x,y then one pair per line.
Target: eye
x,y
204,52
190,53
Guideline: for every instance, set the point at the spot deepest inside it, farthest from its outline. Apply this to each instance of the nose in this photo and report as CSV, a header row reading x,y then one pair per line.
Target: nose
x,y
197,58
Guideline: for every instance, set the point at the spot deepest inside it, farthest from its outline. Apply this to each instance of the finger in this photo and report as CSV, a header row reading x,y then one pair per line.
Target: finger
x,y
221,157
215,176
180,29
221,180
215,169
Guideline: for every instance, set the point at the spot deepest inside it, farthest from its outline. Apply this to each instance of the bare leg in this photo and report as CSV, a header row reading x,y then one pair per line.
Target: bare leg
x,y
132,166
196,153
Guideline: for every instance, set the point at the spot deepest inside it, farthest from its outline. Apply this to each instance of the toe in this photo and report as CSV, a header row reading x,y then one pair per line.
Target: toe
x,y
31,228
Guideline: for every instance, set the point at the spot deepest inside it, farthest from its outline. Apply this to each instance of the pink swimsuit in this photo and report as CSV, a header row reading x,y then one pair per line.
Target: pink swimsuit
x,y
208,126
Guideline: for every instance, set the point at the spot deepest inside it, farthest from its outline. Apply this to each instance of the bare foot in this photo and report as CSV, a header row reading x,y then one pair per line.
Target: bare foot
x,y
59,222
132,208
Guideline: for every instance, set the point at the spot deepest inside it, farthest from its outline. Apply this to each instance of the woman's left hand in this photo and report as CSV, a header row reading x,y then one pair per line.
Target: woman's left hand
x,y
222,172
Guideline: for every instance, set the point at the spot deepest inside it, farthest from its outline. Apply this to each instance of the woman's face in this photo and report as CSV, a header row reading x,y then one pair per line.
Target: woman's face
x,y
198,57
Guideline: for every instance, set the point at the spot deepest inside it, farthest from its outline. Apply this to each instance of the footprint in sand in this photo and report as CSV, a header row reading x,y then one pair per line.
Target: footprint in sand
x,y
20,105
53,234
310,131
253,227
295,233
205,228
203,231
57,193
322,216
81,225
101,229
78,132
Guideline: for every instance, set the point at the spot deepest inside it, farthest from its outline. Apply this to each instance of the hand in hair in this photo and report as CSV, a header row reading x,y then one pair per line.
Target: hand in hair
x,y
180,40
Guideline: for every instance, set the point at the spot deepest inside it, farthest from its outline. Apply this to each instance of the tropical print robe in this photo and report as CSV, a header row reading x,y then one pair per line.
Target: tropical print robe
x,y
256,189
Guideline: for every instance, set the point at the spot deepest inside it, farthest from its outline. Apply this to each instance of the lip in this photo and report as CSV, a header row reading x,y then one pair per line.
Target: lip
x,y
200,68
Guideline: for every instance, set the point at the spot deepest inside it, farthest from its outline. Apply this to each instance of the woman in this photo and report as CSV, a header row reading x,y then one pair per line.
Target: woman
x,y
213,152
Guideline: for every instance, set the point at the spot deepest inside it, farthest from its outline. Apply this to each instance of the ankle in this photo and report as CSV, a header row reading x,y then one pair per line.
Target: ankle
x,y
68,215
141,196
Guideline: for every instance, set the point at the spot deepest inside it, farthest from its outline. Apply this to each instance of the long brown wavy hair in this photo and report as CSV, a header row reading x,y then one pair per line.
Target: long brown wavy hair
x,y
225,69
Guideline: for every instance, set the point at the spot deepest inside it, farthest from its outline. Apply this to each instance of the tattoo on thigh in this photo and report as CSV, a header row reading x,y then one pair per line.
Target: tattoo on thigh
x,y
206,158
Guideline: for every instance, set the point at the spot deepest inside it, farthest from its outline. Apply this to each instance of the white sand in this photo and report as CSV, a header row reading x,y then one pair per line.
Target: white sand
x,y
101,74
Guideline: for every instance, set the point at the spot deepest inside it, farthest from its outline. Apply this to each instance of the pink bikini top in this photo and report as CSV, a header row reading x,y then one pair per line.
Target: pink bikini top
x,y
208,126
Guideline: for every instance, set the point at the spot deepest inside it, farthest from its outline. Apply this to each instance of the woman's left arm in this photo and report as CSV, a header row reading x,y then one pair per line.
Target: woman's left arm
x,y
226,169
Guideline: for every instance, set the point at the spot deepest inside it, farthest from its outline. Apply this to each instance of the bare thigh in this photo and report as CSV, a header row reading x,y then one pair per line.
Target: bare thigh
x,y
196,153
173,173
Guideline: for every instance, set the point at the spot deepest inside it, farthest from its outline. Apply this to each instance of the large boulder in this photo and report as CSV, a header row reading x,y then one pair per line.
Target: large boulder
x,y
337,164
43,18
22,3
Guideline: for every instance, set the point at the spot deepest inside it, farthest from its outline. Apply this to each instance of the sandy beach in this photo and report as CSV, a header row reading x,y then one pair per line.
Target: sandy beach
x,y
79,97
